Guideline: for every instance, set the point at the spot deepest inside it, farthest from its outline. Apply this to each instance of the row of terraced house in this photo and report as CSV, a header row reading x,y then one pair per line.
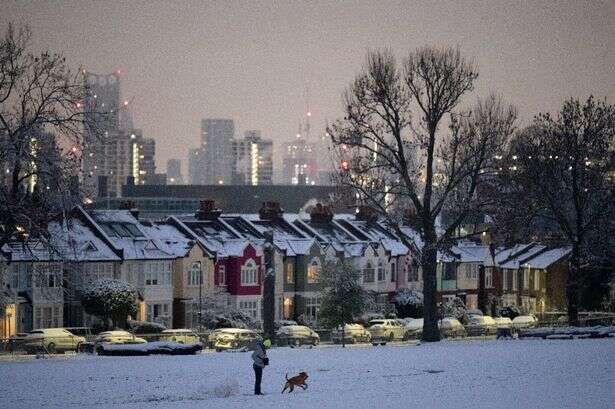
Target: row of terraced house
x,y
165,261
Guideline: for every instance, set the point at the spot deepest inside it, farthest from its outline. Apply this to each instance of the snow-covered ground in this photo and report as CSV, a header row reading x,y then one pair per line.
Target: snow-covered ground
x,y
461,374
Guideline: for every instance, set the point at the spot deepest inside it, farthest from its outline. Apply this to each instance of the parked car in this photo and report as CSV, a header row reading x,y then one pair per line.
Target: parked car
x,y
451,328
503,322
15,342
352,334
481,325
283,323
233,338
182,336
384,330
524,321
118,337
297,335
414,328
52,340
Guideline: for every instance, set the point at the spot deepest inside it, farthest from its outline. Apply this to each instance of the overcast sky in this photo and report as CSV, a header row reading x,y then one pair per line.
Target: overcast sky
x,y
252,61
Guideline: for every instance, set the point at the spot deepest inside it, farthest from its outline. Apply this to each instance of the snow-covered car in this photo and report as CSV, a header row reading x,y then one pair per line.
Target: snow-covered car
x,y
182,336
52,340
503,322
352,334
414,328
283,323
481,325
297,335
524,321
451,328
233,338
118,337
385,330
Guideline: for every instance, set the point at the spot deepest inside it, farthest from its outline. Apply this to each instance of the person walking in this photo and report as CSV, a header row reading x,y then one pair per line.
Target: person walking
x,y
259,356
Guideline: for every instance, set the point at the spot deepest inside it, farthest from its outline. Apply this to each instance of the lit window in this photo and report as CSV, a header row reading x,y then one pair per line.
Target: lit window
x,y
312,273
249,273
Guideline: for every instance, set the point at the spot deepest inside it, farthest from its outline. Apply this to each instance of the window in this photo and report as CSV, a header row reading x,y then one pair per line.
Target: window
x,y
249,307
393,272
449,271
312,304
514,279
290,273
413,271
488,278
158,312
194,274
381,274
526,279
48,317
536,280
249,273
222,275
158,273
368,273
312,273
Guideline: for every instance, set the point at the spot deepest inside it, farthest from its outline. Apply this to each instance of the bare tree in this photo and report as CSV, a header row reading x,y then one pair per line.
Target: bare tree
x,y
42,127
557,181
397,154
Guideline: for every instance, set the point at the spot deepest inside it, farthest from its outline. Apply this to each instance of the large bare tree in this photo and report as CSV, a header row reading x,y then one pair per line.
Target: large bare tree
x,y
558,180
42,125
403,148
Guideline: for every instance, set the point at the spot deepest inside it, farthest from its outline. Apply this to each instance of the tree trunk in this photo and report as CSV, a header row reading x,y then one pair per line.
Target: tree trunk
x,y
430,311
572,287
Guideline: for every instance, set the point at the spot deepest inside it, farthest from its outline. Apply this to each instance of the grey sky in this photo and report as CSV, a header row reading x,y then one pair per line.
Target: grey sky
x,y
252,61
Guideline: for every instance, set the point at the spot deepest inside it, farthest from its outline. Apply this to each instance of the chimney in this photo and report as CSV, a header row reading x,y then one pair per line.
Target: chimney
x,y
270,211
366,214
130,206
321,214
208,210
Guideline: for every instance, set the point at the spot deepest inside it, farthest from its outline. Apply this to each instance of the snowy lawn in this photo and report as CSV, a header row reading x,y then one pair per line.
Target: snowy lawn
x,y
461,374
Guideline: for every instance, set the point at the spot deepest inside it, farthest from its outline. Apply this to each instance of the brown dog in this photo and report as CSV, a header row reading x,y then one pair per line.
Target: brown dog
x,y
298,380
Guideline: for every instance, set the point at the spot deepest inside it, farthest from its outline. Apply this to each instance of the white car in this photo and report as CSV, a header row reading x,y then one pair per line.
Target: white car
x,y
118,337
451,328
353,333
297,335
503,322
182,336
233,338
52,340
524,321
414,327
481,325
386,330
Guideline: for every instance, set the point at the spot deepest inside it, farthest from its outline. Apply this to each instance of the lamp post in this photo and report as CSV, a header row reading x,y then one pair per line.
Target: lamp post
x,y
200,296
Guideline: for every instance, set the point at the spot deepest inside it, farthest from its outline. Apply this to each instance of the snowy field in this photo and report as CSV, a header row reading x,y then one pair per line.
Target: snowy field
x,y
462,374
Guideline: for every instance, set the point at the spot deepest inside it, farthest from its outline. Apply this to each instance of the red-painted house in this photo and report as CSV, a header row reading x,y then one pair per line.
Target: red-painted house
x,y
238,262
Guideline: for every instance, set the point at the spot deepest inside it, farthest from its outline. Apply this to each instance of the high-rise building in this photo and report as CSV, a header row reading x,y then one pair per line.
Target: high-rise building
x,y
196,166
114,151
299,162
252,162
216,143
174,172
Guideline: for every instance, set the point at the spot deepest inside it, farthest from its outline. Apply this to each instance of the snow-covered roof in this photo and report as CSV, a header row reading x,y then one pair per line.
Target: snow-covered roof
x,y
138,240
471,253
515,259
545,259
69,240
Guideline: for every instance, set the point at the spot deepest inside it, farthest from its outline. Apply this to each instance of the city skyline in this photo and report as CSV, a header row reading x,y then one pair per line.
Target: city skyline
x,y
255,62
